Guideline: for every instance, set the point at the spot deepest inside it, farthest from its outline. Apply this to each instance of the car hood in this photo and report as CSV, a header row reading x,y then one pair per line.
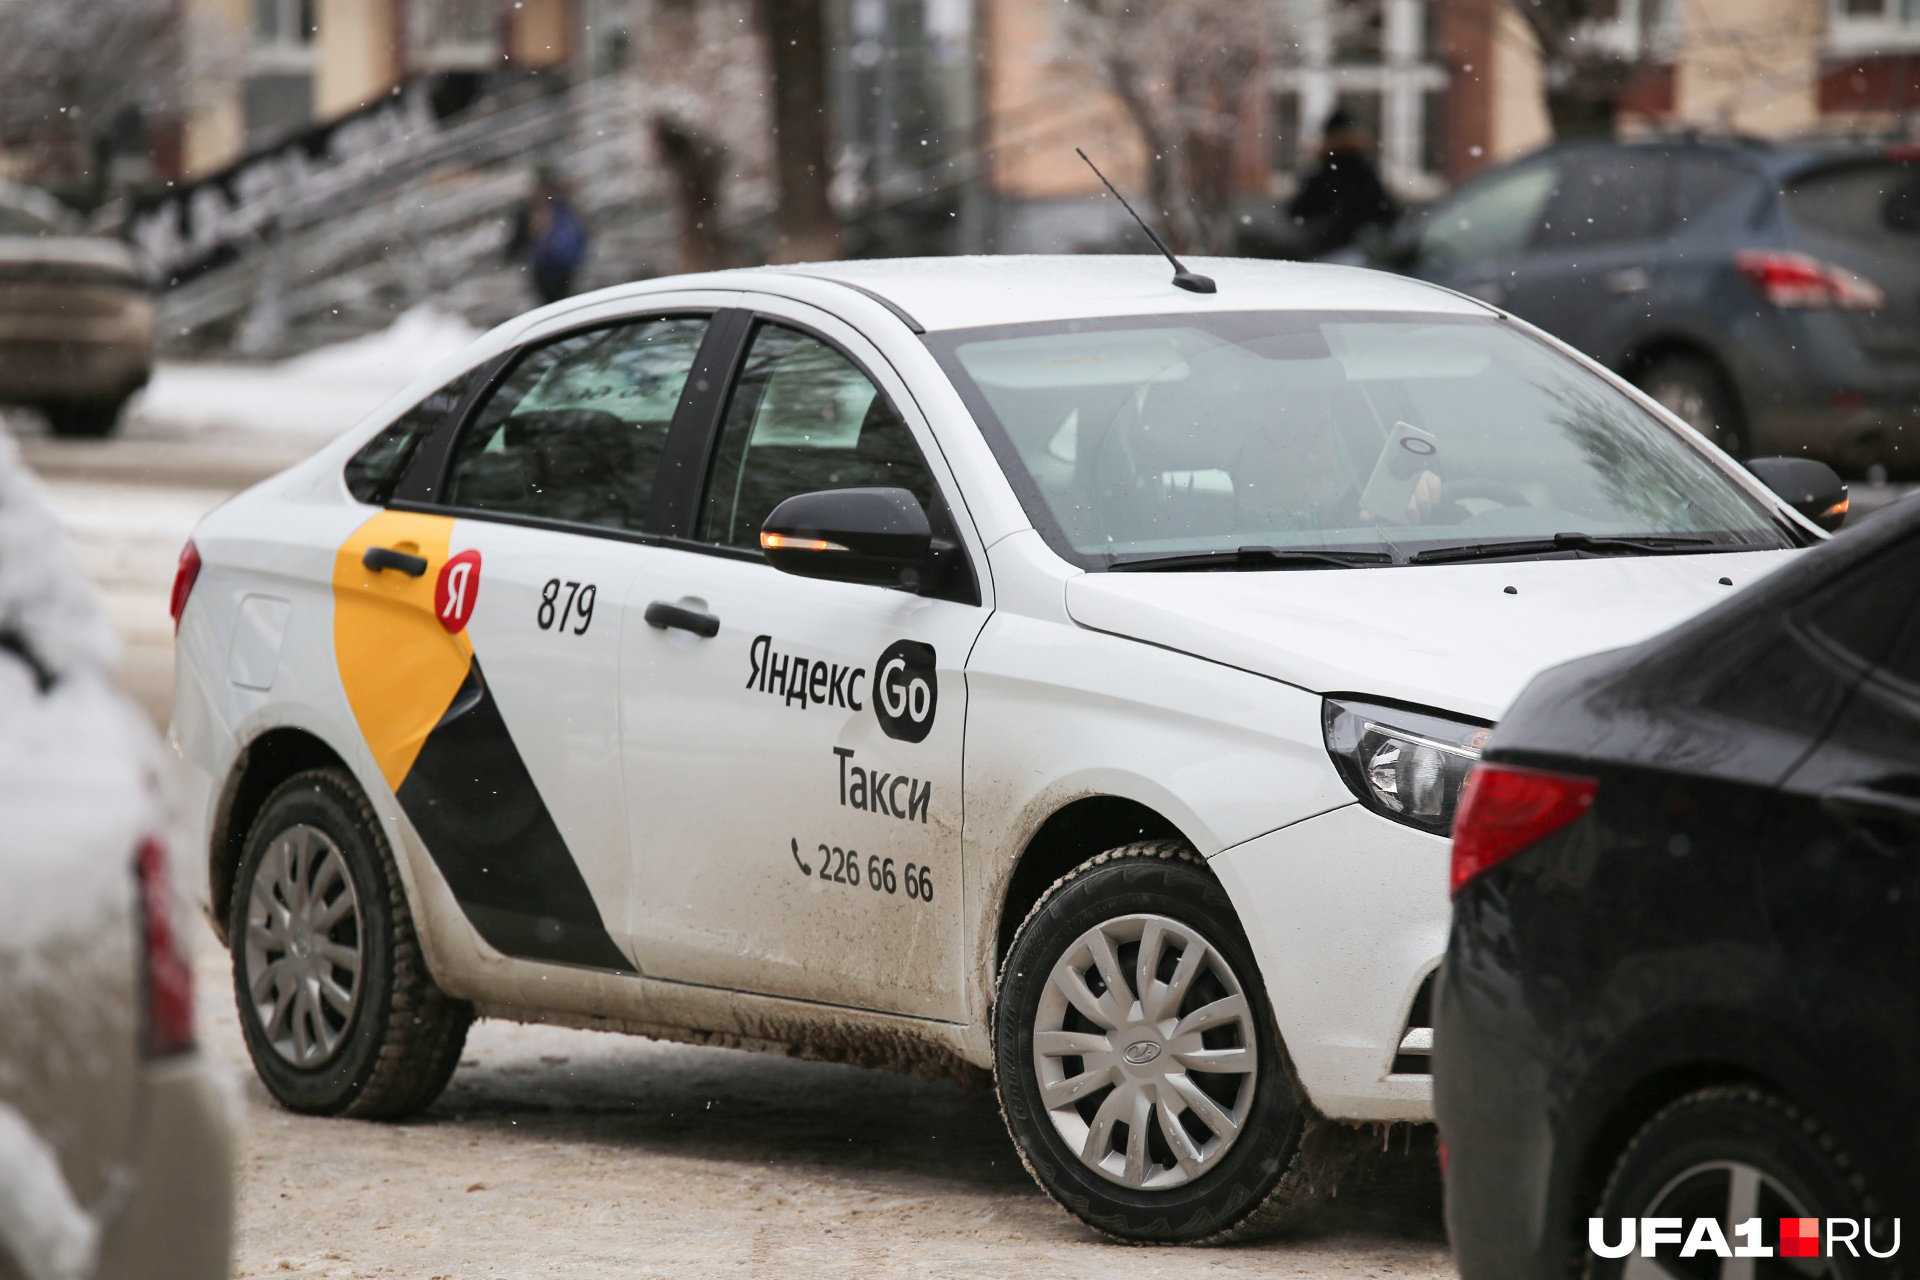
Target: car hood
x,y
1451,637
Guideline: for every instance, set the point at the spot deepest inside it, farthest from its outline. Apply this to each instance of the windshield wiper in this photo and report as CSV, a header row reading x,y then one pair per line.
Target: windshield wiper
x,y
1649,546
1259,558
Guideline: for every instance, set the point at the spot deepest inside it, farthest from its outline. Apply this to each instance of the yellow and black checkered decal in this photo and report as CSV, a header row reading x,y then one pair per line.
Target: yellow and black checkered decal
x,y
437,736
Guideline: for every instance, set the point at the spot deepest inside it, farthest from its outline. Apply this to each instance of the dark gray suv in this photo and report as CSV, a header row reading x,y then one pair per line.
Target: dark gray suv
x,y
1769,295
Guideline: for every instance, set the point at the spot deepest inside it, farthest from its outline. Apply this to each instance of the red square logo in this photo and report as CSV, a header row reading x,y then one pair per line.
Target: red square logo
x,y
1799,1237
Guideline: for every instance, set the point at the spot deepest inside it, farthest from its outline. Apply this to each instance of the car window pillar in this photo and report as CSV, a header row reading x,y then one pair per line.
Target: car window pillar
x,y
674,508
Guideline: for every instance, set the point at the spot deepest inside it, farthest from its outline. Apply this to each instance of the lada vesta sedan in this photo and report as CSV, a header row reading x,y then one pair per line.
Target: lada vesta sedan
x,y
1010,666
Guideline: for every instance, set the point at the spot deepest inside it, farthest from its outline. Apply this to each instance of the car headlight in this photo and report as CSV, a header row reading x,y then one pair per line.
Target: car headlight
x,y
1405,765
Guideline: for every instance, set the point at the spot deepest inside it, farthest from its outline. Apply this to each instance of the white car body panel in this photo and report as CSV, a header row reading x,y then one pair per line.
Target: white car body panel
x,y
686,801
1445,635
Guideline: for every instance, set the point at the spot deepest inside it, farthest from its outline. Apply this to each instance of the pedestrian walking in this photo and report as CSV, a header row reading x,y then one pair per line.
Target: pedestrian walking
x,y
549,236
1344,195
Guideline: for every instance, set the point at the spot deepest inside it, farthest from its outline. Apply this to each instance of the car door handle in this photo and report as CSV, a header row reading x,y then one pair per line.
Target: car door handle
x,y
663,615
1871,805
378,558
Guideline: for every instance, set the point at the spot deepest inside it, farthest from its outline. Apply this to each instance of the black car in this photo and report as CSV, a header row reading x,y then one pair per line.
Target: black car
x,y
1683,980
1769,295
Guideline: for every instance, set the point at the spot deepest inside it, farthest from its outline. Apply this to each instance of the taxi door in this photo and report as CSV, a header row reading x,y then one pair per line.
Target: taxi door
x,y
500,729
793,746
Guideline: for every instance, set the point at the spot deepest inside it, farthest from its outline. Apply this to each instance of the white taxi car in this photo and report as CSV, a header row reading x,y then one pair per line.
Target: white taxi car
x,y
1011,665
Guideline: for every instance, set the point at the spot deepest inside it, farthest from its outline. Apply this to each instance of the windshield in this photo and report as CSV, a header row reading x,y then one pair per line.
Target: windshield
x,y
1348,432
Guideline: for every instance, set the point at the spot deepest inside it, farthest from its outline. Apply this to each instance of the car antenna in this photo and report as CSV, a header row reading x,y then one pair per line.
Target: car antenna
x,y
1192,281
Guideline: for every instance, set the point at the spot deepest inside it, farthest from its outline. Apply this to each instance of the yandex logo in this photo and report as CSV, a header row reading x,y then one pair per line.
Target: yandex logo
x,y
456,591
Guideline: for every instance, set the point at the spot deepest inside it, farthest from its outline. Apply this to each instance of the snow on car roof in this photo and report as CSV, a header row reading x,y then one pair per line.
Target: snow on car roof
x,y
966,292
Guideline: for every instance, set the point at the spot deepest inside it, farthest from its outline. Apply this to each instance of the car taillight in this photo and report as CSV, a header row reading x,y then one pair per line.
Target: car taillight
x,y
169,974
1795,281
183,579
1503,809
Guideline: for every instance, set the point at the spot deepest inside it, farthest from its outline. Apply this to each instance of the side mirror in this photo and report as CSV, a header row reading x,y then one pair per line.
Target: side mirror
x,y
878,536
1811,488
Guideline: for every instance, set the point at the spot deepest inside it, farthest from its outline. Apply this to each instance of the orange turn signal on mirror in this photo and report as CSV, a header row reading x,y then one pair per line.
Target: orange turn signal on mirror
x,y
781,542
1839,508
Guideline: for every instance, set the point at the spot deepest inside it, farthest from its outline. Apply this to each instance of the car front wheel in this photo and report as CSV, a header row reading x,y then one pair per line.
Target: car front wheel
x,y
1139,1069
340,1014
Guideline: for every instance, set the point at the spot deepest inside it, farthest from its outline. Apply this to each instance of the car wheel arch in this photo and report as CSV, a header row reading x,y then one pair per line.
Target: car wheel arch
x,y
1632,1109
262,765
1071,834
1646,353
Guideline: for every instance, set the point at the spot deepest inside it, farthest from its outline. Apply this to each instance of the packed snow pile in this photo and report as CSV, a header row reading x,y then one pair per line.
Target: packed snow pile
x,y
316,395
49,619
49,1236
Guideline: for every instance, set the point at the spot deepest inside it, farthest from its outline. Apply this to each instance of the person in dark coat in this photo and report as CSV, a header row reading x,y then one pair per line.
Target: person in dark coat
x,y
549,237
1344,195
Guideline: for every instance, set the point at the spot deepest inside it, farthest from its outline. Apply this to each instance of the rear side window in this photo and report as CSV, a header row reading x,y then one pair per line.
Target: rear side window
x,y
373,473
803,418
575,432
1606,198
1876,204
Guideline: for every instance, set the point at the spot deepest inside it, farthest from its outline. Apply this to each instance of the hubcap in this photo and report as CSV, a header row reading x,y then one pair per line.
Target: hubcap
x,y
303,950
1732,1192
1144,1048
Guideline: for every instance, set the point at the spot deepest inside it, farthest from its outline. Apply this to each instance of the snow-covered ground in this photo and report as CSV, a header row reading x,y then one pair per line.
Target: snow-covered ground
x,y
311,398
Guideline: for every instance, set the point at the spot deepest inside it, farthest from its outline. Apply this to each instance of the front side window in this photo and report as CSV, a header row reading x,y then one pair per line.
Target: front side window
x,y
803,418
1489,220
1382,435
574,433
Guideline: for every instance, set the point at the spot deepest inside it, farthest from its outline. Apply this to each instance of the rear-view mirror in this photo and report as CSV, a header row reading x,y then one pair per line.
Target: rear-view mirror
x,y
1812,488
878,535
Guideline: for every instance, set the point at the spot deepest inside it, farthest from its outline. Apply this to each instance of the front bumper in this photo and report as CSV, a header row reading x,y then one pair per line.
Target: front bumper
x,y
1347,914
177,1222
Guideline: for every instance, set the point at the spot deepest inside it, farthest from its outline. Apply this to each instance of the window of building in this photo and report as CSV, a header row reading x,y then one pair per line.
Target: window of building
x,y
453,35
1378,59
1286,131
283,23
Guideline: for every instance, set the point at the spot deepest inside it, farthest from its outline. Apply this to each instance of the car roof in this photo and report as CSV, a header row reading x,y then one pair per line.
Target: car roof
x,y
968,292
1782,159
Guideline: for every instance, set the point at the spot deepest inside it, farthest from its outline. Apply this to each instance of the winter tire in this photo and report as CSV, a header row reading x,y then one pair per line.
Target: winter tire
x,y
1139,1069
1696,393
340,1014
1733,1153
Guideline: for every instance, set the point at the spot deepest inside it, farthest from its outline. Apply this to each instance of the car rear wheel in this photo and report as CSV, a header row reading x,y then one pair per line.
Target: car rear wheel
x,y
1695,392
340,1014
1139,1068
1735,1153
